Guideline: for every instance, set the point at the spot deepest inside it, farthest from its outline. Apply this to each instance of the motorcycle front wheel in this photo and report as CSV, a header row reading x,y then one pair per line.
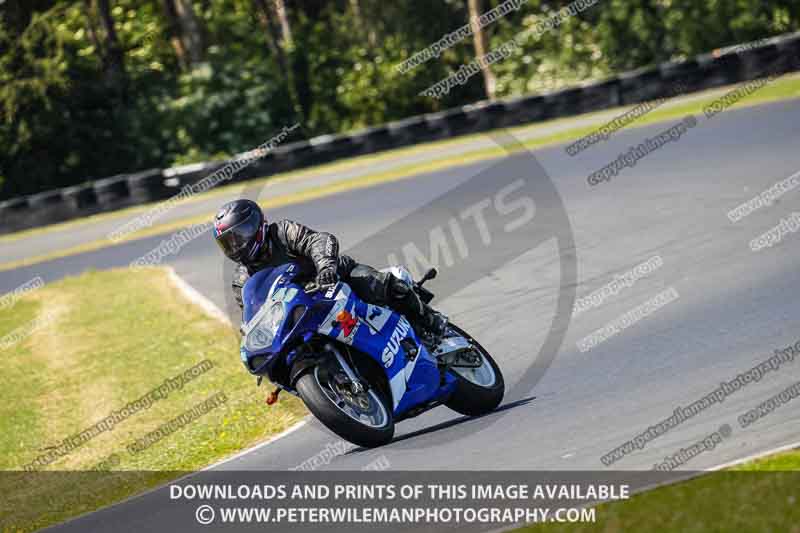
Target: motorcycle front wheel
x,y
365,419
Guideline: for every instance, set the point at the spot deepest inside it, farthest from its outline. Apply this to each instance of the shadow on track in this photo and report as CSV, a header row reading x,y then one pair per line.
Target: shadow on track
x,y
450,423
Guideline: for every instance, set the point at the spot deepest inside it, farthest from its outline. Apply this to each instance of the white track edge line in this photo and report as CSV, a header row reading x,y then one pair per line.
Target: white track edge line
x,y
215,312
753,457
209,307
193,295
267,442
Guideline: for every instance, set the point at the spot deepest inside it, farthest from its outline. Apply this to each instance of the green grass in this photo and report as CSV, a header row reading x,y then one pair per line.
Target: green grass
x,y
20,421
759,496
116,336
783,88
781,462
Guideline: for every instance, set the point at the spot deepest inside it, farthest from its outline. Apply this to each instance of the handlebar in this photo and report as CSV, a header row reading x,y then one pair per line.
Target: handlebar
x,y
312,287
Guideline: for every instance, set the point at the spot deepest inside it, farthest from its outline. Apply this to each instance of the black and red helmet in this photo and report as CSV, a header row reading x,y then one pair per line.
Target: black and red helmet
x,y
239,230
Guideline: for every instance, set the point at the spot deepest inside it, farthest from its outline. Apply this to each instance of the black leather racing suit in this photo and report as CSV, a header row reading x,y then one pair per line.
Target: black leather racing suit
x,y
315,251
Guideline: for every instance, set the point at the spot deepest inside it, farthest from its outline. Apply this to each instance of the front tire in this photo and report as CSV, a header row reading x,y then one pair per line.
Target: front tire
x,y
480,391
364,419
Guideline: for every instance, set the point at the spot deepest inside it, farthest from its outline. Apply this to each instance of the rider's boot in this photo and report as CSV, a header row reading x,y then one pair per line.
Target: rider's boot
x,y
429,324
435,324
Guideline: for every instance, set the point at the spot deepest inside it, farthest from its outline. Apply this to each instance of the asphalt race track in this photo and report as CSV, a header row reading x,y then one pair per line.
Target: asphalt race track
x,y
734,306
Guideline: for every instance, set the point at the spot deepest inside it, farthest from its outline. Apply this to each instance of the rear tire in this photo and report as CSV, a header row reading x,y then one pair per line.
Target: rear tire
x,y
470,398
334,418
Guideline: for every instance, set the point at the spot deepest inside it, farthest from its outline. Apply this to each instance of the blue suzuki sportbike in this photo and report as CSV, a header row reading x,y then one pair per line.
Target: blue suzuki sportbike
x,y
359,368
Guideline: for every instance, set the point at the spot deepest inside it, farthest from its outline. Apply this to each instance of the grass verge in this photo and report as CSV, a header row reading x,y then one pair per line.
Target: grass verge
x,y
102,341
762,495
783,88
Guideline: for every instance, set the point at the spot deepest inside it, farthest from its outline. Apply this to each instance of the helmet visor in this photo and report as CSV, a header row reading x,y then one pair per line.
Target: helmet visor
x,y
237,241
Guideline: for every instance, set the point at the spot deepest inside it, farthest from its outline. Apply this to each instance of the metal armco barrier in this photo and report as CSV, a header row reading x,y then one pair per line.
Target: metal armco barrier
x,y
776,56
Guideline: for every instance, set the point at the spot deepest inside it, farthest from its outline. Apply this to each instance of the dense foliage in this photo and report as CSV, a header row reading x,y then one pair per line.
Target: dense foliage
x,y
92,88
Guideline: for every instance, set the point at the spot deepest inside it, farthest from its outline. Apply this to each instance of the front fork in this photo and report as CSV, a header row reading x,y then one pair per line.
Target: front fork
x,y
356,384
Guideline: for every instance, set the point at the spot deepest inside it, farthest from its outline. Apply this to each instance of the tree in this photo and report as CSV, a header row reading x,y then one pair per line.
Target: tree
x,y
283,18
361,23
109,48
275,21
331,65
186,32
481,46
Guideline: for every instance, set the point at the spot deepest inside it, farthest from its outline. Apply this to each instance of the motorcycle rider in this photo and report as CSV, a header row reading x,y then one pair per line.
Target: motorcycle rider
x,y
246,237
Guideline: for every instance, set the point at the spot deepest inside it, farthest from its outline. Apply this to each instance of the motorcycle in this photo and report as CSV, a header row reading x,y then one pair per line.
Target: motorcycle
x,y
359,368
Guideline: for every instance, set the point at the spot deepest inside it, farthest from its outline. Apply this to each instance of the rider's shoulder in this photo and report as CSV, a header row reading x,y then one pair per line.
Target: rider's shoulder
x,y
287,230
283,225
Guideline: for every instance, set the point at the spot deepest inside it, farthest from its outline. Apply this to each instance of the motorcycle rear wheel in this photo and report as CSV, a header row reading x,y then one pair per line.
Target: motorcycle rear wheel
x,y
478,391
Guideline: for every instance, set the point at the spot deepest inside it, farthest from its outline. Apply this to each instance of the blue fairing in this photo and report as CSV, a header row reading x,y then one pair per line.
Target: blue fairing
x,y
257,289
339,314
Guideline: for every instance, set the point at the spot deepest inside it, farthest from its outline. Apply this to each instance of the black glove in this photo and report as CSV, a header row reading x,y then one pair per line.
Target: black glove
x,y
327,277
